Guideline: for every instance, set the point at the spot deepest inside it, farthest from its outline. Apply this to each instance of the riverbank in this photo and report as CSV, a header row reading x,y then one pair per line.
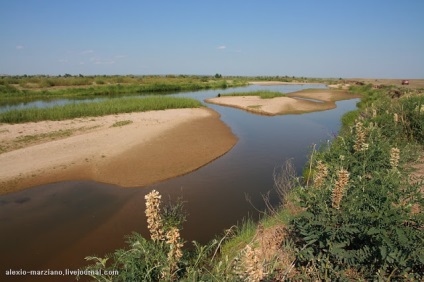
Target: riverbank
x,y
134,149
18,88
304,101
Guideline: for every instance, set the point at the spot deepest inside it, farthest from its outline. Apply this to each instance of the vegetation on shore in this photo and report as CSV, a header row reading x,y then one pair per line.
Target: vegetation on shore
x,y
106,107
355,215
264,94
31,87
48,87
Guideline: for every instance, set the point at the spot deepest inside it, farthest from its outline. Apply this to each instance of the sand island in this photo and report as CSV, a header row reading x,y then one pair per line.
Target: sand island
x,y
308,100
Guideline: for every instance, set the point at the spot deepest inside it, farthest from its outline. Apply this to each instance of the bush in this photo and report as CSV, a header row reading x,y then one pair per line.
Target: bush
x,y
148,260
358,219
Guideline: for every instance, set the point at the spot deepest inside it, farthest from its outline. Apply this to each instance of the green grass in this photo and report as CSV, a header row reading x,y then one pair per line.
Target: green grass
x,y
244,234
51,135
108,107
262,94
41,87
122,123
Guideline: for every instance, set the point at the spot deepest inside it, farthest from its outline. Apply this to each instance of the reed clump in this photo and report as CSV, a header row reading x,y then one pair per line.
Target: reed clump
x,y
360,144
173,240
320,174
252,266
107,107
339,188
394,157
154,219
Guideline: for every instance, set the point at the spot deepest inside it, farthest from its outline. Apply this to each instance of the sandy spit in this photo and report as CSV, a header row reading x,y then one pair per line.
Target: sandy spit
x,y
150,147
278,83
294,103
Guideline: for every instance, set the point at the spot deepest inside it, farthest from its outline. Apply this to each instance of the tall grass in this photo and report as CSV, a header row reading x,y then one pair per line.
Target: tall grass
x,y
46,87
108,107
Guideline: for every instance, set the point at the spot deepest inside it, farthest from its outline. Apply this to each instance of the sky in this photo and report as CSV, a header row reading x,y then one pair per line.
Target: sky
x,y
309,38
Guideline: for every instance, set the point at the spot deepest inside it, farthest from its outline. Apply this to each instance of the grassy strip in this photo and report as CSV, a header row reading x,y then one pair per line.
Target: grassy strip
x,y
51,135
35,88
108,107
263,94
108,90
122,123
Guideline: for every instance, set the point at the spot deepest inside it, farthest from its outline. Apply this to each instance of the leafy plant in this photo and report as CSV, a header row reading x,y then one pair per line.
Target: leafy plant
x,y
122,123
365,228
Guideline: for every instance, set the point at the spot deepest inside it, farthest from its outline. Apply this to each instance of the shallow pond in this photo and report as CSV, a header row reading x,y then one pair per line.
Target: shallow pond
x,y
56,225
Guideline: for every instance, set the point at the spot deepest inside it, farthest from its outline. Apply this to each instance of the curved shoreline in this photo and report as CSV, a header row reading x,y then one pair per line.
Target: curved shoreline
x,y
293,103
154,146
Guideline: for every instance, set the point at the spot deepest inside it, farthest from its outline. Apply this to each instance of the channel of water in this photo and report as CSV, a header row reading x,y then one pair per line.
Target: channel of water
x,y
56,225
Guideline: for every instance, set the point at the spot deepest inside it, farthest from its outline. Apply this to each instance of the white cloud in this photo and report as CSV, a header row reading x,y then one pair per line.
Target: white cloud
x,y
222,47
19,47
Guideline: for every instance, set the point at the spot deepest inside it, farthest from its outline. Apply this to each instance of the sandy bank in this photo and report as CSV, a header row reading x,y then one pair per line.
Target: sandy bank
x,y
294,103
278,83
149,147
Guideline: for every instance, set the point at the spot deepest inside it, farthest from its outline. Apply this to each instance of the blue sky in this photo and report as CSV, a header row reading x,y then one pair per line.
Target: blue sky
x,y
325,38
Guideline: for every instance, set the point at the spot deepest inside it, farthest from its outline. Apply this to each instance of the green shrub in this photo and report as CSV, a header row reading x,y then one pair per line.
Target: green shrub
x,y
358,222
413,109
348,119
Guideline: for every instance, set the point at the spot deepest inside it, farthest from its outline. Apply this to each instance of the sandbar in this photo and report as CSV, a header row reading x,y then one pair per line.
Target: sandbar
x,y
309,100
279,83
143,149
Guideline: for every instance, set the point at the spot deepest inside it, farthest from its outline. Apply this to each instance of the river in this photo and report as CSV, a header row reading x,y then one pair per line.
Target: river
x,y
56,225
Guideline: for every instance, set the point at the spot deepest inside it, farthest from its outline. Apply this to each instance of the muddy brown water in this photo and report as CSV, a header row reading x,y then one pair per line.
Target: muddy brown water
x,y
55,226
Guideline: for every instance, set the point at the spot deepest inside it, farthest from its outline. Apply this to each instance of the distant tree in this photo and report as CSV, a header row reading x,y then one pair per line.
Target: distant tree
x,y
218,75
